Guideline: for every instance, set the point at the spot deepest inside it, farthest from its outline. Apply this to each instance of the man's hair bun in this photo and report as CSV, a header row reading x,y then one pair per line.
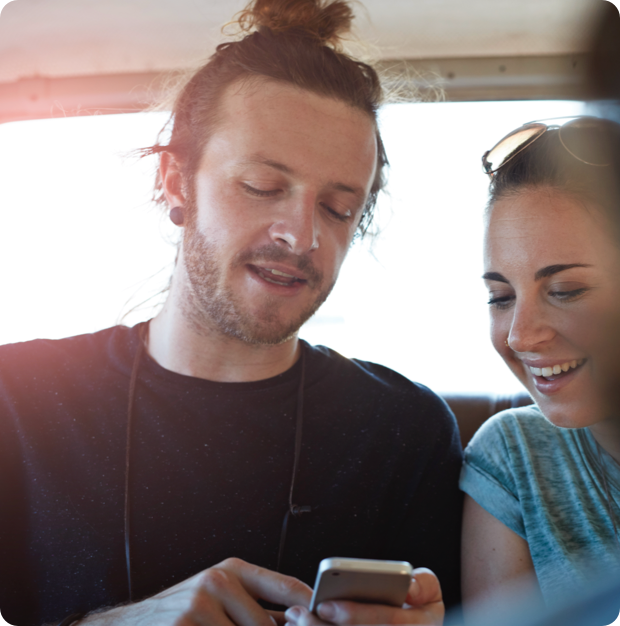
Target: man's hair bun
x,y
294,42
324,21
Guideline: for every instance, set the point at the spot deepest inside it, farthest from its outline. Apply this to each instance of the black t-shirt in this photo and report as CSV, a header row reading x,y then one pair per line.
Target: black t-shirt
x,y
211,467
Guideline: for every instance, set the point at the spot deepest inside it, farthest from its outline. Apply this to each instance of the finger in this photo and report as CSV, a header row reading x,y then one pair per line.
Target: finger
x,y
222,593
277,617
188,604
424,588
268,585
301,616
344,612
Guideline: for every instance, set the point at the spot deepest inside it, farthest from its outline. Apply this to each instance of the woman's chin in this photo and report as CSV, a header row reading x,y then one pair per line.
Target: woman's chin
x,y
570,401
570,414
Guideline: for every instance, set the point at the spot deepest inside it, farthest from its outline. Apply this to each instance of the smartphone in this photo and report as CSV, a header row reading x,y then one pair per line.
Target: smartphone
x,y
361,580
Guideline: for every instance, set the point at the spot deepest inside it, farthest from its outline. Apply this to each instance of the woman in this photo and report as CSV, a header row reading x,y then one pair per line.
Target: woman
x,y
542,483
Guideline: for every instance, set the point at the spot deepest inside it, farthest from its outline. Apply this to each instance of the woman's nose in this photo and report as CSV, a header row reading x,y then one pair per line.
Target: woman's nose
x,y
530,328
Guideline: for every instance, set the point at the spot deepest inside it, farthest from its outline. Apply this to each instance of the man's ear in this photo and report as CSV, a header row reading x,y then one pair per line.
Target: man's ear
x,y
172,182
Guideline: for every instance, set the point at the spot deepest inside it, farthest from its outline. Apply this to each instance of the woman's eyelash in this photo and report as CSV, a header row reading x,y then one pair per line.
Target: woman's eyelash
x,y
501,302
569,295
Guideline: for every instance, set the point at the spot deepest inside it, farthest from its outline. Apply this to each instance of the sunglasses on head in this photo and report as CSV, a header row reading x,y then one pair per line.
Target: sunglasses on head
x,y
583,138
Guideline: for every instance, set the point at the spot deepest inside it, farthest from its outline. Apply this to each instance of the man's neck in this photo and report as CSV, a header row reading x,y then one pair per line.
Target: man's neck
x,y
177,346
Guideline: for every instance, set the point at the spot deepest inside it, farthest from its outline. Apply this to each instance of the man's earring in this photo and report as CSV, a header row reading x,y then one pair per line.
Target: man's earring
x,y
176,215
506,342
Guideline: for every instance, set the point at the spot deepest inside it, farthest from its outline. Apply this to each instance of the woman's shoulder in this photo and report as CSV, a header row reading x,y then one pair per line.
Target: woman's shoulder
x,y
514,457
520,446
521,426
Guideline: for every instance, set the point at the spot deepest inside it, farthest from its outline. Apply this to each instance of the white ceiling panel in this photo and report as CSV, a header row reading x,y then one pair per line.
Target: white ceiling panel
x,y
60,38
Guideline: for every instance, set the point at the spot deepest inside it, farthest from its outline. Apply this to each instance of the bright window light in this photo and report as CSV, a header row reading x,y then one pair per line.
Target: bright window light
x,y
80,238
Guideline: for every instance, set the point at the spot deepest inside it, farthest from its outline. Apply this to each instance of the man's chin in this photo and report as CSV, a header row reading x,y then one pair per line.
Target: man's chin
x,y
269,324
266,334
268,340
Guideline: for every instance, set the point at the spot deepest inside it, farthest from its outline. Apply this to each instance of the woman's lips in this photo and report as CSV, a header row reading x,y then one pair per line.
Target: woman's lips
x,y
552,383
556,370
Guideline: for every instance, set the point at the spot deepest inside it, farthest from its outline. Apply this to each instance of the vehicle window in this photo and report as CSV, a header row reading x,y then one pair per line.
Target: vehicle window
x,y
80,239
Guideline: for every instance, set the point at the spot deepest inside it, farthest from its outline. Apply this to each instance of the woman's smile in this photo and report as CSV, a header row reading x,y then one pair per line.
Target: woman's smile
x,y
551,379
553,274
551,372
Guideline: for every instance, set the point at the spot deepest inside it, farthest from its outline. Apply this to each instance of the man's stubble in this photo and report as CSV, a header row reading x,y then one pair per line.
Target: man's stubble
x,y
211,306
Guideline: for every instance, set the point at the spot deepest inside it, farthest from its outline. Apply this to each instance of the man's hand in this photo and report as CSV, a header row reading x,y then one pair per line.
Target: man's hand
x,y
223,595
424,605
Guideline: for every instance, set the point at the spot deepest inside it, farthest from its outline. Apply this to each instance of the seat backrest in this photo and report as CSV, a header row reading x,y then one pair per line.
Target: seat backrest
x,y
472,411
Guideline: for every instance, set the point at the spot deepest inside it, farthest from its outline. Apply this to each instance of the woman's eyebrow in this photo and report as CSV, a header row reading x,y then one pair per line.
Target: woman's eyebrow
x,y
494,276
550,270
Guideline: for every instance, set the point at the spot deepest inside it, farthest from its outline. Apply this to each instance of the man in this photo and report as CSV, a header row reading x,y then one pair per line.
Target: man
x,y
139,460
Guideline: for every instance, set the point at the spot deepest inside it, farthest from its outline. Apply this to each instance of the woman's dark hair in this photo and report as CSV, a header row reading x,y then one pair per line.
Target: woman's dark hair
x,y
603,71
562,159
292,41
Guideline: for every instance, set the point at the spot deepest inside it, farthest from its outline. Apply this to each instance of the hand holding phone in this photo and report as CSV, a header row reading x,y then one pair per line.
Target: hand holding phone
x,y
361,580
352,602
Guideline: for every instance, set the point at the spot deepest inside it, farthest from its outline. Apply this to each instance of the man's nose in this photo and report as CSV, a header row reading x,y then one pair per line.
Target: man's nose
x,y
297,225
530,327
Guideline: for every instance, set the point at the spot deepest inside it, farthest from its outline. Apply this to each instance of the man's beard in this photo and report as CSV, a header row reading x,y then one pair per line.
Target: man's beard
x,y
210,304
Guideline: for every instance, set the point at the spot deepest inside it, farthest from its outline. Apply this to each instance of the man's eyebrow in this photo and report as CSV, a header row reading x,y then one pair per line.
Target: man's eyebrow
x,y
494,276
259,158
550,270
358,192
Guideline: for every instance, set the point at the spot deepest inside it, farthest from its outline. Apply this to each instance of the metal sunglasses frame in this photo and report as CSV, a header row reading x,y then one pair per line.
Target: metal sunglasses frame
x,y
538,128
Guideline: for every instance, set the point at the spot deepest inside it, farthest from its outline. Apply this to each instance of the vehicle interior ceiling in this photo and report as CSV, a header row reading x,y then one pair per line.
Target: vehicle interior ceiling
x,y
64,58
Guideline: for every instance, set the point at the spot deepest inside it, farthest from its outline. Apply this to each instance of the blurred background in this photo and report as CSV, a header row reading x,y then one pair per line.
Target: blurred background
x,y
81,244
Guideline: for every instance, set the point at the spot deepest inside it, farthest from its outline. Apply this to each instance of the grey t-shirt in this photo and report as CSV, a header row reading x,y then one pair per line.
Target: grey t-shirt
x,y
545,483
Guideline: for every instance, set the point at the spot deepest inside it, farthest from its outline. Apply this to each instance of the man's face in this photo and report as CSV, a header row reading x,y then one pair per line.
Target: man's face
x,y
278,195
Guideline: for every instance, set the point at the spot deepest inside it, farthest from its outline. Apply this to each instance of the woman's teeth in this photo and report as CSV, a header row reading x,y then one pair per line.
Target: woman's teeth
x,y
556,369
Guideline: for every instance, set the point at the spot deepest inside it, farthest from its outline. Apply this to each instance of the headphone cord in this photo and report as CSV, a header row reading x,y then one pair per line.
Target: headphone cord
x,y
293,509
142,337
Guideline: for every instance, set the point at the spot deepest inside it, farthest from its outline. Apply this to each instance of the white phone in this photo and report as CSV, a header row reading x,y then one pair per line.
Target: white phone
x,y
361,580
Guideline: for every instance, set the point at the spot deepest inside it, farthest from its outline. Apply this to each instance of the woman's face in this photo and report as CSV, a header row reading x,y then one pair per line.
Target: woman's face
x,y
553,274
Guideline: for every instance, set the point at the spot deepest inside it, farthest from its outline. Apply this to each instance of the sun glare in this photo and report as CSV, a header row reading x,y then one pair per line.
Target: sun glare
x,y
80,238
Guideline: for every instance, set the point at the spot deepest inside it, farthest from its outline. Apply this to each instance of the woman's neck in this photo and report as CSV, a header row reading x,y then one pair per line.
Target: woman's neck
x,y
607,435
